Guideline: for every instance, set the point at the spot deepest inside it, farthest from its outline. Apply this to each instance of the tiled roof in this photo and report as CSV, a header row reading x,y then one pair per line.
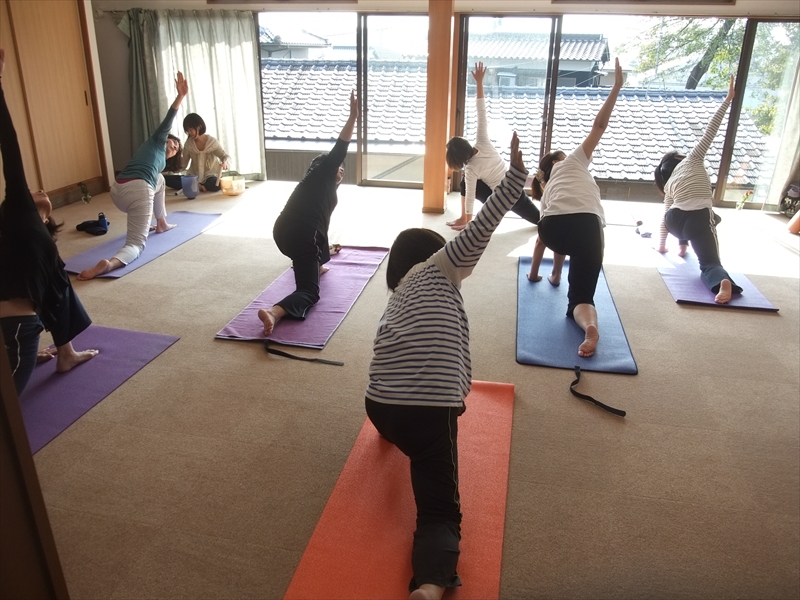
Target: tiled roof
x,y
535,46
305,100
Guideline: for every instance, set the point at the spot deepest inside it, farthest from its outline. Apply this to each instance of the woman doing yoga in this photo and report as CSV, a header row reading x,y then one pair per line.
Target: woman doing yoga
x,y
573,219
483,167
421,372
687,207
301,230
139,190
35,290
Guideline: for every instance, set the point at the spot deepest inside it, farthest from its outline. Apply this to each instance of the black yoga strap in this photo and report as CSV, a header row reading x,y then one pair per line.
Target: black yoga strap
x,y
295,357
614,411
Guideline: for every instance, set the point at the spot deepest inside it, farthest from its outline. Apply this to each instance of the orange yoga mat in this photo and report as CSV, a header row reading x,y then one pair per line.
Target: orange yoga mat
x,y
361,547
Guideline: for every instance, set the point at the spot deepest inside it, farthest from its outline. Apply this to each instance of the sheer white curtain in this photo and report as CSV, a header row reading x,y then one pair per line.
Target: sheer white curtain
x,y
217,51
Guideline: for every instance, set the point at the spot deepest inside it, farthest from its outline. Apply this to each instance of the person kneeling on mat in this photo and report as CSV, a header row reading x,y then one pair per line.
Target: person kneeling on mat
x,y
421,372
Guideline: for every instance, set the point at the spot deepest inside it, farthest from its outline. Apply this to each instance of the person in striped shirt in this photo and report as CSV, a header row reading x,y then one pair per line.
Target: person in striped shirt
x,y
687,207
421,372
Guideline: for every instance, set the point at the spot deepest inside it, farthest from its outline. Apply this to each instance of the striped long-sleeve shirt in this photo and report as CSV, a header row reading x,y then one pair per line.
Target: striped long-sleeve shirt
x,y
421,353
689,187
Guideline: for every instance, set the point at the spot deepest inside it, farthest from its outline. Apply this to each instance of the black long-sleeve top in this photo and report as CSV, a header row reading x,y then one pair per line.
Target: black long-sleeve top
x,y
30,266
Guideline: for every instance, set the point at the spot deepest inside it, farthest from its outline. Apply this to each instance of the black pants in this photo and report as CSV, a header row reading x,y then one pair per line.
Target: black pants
x,y
211,184
699,227
524,206
303,247
580,236
21,337
69,318
428,436
173,182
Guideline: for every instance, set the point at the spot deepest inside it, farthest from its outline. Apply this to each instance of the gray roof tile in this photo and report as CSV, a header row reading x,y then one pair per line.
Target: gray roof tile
x,y
305,99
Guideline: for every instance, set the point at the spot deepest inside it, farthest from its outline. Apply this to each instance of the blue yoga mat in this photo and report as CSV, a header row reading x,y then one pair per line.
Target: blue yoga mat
x,y
189,225
547,337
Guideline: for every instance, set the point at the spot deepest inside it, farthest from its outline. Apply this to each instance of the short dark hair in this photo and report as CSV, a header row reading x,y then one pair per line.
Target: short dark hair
x,y
174,162
665,168
53,228
410,248
459,151
546,166
194,121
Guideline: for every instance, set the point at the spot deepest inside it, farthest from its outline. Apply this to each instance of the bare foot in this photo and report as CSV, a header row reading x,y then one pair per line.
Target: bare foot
x,y
165,227
270,317
725,292
682,250
203,188
534,278
459,223
427,591
335,249
152,227
101,268
66,361
589,344
323,269
555,280
45,355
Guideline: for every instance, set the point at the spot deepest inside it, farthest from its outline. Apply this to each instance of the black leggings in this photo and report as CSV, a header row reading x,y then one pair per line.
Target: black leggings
x,y
699,227
21,338
428,435
580,236
307,256
524,206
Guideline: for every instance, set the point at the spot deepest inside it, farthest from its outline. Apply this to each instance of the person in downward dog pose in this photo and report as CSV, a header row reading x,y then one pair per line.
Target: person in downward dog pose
x,y
421,372
139,190
35,290
688,213
301,230
482,166
573,219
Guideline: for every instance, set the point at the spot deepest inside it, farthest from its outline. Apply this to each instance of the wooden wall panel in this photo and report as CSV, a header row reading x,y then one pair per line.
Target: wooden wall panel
x,y
15,98
52,60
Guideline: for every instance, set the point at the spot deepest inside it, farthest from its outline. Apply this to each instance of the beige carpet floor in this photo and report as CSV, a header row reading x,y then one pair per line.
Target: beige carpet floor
x,y
204,475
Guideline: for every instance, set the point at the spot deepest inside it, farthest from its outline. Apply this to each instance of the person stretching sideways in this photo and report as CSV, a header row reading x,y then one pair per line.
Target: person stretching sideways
x,y
35,290
139,190
573,219
687,207
421,372
301,230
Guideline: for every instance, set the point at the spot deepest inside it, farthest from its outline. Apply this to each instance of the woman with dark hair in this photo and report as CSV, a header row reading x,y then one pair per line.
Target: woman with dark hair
x,y
35,290
421,371
482,168
687,207
573,219
139,191
205,153
173,170
301,230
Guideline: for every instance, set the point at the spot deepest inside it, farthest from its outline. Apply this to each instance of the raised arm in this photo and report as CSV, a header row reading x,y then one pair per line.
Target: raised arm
x,y
604,114
349,126
713,126
482,133
13,169
479,72
182,86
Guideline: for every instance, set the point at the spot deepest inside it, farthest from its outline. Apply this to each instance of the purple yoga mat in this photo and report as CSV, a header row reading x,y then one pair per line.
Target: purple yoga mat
x,y
189,225
350,270
682,278
52,401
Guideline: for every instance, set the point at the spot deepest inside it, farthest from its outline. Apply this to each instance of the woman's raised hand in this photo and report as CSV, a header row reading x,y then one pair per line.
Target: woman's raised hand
x,y
353,105
618,79
516,153
731,87
181,85
479,72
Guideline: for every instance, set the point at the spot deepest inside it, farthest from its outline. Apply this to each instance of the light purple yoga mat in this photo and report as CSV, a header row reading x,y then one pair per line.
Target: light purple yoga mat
x,y
189,225
350,270
52,401
682,278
